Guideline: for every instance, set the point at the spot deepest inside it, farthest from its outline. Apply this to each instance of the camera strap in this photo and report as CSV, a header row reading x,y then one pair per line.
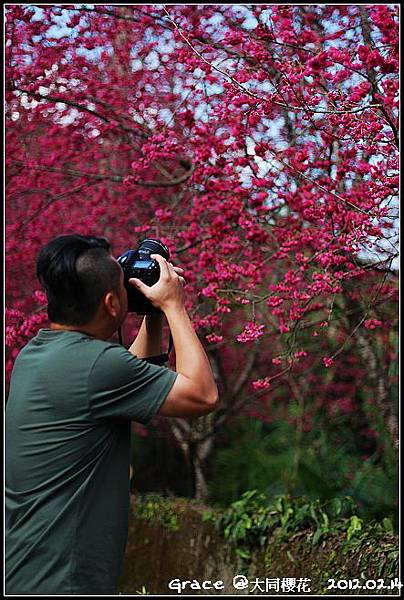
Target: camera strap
x,y
158,359
161,359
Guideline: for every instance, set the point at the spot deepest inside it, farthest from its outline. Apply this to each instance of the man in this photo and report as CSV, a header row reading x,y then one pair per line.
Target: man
x,y
73,395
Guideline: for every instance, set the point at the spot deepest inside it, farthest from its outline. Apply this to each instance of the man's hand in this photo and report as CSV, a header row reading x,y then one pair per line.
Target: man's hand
x,y
168,292
149,339
194,392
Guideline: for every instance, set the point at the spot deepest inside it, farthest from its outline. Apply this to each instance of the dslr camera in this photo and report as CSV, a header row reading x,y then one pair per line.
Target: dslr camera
x,y
137,263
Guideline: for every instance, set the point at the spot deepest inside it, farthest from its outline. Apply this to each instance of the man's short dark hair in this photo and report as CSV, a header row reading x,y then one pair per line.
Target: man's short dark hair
x,y
76,271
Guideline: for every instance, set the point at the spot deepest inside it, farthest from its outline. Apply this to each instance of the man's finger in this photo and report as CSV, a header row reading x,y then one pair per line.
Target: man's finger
x,y
137,283
178,270
164,270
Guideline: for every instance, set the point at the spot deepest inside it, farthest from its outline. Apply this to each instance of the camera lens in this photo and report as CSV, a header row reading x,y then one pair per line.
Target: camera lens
x,y
155,247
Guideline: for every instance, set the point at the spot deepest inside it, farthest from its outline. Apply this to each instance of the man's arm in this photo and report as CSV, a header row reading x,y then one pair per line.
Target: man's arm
x,y
194,391
148,341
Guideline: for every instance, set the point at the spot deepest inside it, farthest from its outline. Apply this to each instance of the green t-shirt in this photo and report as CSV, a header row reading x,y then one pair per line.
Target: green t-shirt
x,y
68,416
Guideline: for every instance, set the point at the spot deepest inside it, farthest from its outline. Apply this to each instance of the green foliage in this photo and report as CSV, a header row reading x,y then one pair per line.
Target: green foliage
x,y
143,591
327,537
250,522
355,526
153,507
323,464
252,518
256,457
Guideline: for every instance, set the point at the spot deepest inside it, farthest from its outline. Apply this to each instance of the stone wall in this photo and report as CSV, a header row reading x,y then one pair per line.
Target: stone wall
x,y
157,554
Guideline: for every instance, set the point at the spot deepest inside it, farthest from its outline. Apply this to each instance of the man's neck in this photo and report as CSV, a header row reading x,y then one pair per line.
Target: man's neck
x,y
89,330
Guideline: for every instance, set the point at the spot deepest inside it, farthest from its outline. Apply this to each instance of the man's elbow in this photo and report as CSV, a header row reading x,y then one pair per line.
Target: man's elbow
x,y
211,401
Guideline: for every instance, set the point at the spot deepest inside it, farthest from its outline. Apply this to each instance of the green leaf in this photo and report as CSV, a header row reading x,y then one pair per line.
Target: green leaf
x,y
335,506
317,535
325,519
388,525
143,591
313,513
285,517
355,525
243,553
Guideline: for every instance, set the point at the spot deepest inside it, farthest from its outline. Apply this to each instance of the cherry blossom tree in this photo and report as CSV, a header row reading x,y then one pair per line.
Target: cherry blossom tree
x,y
259,142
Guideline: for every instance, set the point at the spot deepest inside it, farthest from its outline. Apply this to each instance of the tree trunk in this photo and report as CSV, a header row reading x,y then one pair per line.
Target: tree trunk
x,y
199,484
376,376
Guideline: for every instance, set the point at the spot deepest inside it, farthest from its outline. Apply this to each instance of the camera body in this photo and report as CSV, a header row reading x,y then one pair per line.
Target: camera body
x,y
137,263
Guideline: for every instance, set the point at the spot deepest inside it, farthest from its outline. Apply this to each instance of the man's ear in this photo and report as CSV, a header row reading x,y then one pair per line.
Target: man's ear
x,y
111,304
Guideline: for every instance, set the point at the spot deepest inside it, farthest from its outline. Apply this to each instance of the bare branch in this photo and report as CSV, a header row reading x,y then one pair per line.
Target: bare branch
x,y
245,373
114,178
55,99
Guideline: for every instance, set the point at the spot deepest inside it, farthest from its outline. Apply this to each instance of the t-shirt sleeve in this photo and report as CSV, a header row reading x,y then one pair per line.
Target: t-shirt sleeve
x,y
120,385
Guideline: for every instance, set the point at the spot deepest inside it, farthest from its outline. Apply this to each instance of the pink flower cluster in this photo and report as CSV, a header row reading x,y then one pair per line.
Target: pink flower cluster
x,y
213,338
372,323
131,150
261,384
251,333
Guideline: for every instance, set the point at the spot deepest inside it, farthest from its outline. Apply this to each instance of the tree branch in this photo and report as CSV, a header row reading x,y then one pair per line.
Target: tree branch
x,y
114,178
251,94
